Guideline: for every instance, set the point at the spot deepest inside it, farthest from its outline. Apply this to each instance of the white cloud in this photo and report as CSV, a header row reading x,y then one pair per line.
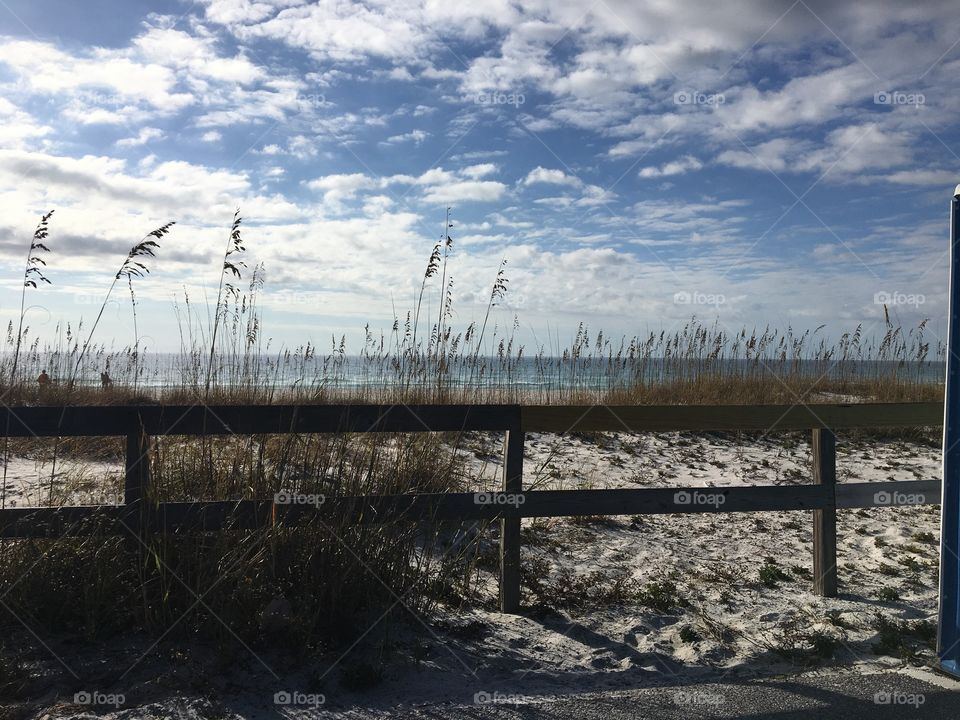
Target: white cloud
x,y
465,191
337,189
944,178
595,195
415,136
439,186
478,171
845,154
771,155
104,184
145,135
341,31
808,99
18,127
195,54
675,167
243,11
104,87
551,176
400,74
161,73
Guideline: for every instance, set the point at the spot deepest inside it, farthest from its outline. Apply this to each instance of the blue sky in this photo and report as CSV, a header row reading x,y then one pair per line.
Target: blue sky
x,y
635,162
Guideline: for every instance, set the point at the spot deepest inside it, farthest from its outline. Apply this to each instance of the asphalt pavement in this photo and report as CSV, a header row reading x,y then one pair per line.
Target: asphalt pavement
x,y
878,696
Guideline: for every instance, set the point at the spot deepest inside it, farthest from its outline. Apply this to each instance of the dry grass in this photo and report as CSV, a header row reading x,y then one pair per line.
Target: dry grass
x,y
698,364
226,358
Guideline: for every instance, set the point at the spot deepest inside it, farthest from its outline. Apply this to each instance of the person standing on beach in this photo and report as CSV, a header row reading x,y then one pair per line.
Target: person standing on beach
x,y
43,380
105,380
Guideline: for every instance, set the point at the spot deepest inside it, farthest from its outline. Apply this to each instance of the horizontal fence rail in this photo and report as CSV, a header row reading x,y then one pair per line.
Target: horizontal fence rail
x,y
140,424
115,420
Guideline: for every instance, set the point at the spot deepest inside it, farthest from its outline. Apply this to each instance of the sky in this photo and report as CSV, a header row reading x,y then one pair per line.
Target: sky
x,y
636,163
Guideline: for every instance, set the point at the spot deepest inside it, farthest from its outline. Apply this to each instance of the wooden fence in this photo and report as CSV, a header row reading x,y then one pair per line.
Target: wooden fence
x,y
141,514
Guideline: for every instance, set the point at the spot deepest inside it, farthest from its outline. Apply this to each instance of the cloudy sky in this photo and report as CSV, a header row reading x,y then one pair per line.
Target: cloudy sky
x,y
635,162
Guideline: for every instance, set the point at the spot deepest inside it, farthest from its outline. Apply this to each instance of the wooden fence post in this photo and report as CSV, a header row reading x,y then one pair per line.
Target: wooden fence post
x,y
824,447
510,526
137,476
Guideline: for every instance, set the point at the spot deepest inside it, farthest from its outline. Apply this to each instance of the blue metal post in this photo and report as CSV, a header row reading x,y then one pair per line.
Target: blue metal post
x,y
948,635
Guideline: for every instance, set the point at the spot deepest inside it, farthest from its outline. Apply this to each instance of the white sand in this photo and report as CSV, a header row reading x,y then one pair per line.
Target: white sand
x,y
732,624
74,482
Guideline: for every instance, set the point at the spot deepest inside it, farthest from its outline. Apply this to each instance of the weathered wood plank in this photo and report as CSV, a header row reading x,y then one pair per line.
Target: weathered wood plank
x,y
90,421
137,468
178,517
824,451
513,441
640,418
66,521
656,501
452,507
889,494
558,503
46,522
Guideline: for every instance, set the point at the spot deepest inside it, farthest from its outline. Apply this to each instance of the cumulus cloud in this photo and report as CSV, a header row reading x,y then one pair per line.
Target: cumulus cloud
x,y
434,186
465,191
161,73
18,127
944,178
551,177
145,135
337,189
480,170
415,136
675,167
